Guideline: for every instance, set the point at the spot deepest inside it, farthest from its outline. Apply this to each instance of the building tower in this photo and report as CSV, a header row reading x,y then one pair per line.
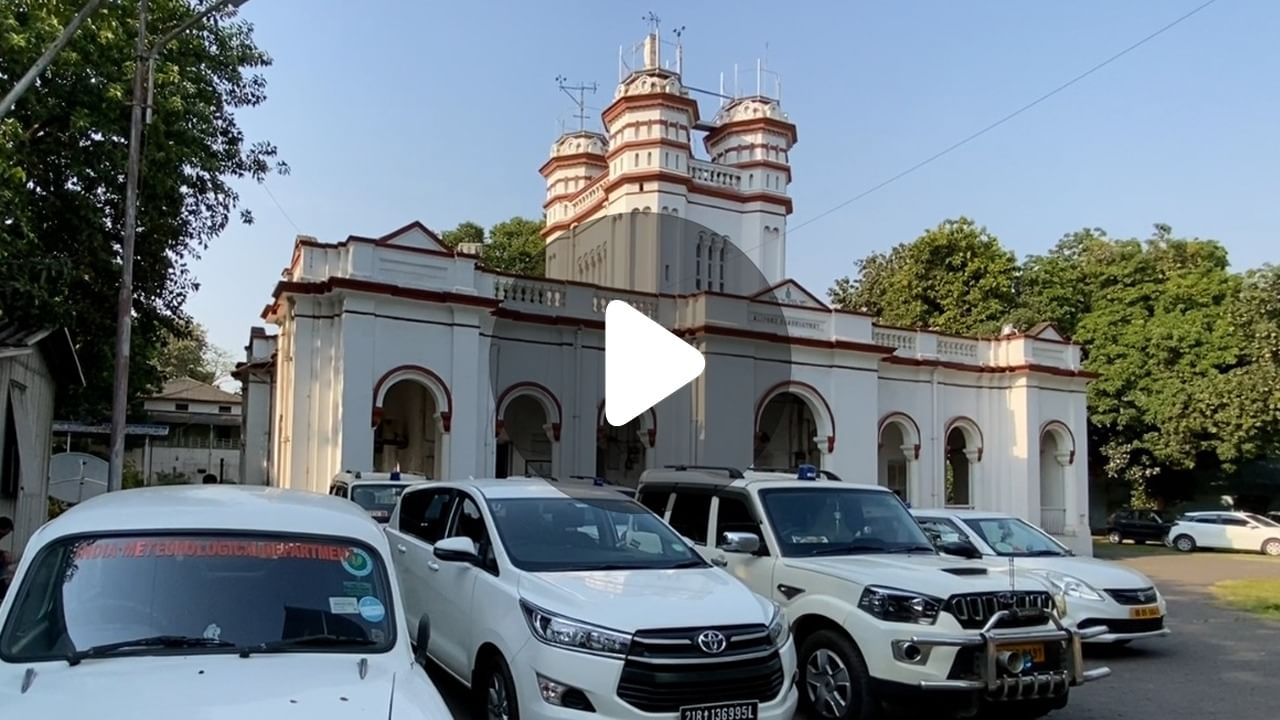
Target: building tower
x,y
636,209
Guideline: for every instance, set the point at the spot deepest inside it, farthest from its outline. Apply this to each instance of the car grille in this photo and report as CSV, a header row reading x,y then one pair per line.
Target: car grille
x,y
973,610
1125,626
665,670
1144,596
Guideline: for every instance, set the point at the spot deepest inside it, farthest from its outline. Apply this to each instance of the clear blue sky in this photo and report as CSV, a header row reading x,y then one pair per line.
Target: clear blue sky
x,y
402,110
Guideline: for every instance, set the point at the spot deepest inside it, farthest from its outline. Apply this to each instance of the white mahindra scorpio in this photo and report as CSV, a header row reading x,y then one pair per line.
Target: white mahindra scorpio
x,y
213,602
879,617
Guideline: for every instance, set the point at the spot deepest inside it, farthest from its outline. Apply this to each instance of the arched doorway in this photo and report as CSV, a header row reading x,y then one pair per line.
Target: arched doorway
x,y
963,452
786,433
899,449
623,453
526,439
1056,455
407,436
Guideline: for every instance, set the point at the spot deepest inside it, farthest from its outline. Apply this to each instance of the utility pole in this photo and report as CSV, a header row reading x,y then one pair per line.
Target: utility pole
x,y
143,67
56,47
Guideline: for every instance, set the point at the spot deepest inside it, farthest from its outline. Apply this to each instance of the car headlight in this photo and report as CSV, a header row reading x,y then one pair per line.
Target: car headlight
x,y
1070,587
570,634
893,605
779,629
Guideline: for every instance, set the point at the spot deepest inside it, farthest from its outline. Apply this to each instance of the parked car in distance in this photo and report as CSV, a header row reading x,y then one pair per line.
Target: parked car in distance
x,y
376,492
1225,530
1140,526
1090,593
561,600
879,615
212,601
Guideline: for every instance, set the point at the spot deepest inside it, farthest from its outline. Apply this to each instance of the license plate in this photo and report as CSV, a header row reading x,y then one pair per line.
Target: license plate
x,y
721,711
1035,652
1141,613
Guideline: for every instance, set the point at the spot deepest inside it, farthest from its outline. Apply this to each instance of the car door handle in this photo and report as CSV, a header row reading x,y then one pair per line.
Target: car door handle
x,y
433,565
402,549
719,562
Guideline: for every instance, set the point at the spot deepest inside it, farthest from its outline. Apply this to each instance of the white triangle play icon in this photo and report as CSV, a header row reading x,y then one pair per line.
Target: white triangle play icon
x,y
643,363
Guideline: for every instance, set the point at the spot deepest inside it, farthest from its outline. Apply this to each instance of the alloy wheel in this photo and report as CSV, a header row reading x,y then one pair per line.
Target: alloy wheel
x,y
496,698
1272,548
828,685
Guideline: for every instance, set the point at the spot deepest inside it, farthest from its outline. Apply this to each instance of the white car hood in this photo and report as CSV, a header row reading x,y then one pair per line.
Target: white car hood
x,y
630,600
1101,574
937,575
211,687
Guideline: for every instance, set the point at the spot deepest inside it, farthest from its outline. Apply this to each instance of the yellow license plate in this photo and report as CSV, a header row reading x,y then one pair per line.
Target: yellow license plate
x,y
1035,652
1141,613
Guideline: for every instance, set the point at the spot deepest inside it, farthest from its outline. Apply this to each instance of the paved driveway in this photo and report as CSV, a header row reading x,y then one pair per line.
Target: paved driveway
x,y
1214,665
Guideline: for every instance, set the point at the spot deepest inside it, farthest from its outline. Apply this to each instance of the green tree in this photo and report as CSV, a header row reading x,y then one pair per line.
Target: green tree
x,y
63,152
1163,324
515,246
188,353
466,232
955,278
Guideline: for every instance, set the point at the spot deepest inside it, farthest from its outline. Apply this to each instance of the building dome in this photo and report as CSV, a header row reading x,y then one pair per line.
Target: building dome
x,y
750,108
582,141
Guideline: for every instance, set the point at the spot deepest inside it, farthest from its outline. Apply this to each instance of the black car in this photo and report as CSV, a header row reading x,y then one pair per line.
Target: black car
x,y
1138,525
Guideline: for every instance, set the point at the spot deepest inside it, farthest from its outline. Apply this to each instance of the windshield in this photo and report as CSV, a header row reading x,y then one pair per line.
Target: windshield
x,y
566,534
825,521
379,500
1014,537
221,592
1259,520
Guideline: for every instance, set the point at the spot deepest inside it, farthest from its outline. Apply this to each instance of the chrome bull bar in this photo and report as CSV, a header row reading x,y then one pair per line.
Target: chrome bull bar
x,y
1041,684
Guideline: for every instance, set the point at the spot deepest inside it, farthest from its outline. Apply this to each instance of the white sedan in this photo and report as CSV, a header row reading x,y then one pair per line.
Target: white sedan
x,y
1226,531
1089,592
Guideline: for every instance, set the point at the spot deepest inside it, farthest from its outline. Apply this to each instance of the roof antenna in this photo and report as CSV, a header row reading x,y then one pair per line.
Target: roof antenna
x,y
679,32
580,100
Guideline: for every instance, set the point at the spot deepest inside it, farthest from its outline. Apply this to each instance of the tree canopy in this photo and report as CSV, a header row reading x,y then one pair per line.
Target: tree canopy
x,y
1187,352
190,354
513,246
955,278
63,152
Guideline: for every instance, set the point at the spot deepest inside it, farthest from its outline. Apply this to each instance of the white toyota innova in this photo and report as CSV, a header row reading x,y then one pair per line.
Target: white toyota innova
x,y
210,601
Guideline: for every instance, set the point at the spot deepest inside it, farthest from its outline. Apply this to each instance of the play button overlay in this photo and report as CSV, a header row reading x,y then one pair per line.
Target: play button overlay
x,y
643,363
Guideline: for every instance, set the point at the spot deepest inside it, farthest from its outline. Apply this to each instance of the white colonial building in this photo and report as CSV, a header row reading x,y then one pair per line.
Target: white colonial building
x,y
394,351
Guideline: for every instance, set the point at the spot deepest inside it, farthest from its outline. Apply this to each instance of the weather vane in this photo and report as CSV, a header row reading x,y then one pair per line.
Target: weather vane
x,y
580,100
653,20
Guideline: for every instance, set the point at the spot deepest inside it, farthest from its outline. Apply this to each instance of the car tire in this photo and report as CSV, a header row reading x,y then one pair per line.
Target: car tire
x,y
1184,543
1271,547
495,691
1114,537
834,681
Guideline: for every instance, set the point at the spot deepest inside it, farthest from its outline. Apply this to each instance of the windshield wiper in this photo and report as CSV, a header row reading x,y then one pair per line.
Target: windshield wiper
x,y
848,549
912,548
691,563
1042,553
156,641
301,641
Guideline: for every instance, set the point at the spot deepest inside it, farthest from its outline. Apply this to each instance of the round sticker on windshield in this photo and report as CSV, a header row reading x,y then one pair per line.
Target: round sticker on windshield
x,y
371,609
357,562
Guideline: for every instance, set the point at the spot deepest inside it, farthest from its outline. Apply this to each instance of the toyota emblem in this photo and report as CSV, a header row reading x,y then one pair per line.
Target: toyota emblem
x,y
1006,600
711,642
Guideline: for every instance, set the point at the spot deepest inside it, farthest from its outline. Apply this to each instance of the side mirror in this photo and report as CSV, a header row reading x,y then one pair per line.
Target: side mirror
x,y
959,548
421,641
740,542
457,549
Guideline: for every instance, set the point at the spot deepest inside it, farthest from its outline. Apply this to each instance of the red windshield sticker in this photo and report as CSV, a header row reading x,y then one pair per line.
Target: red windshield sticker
x,y
212,548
